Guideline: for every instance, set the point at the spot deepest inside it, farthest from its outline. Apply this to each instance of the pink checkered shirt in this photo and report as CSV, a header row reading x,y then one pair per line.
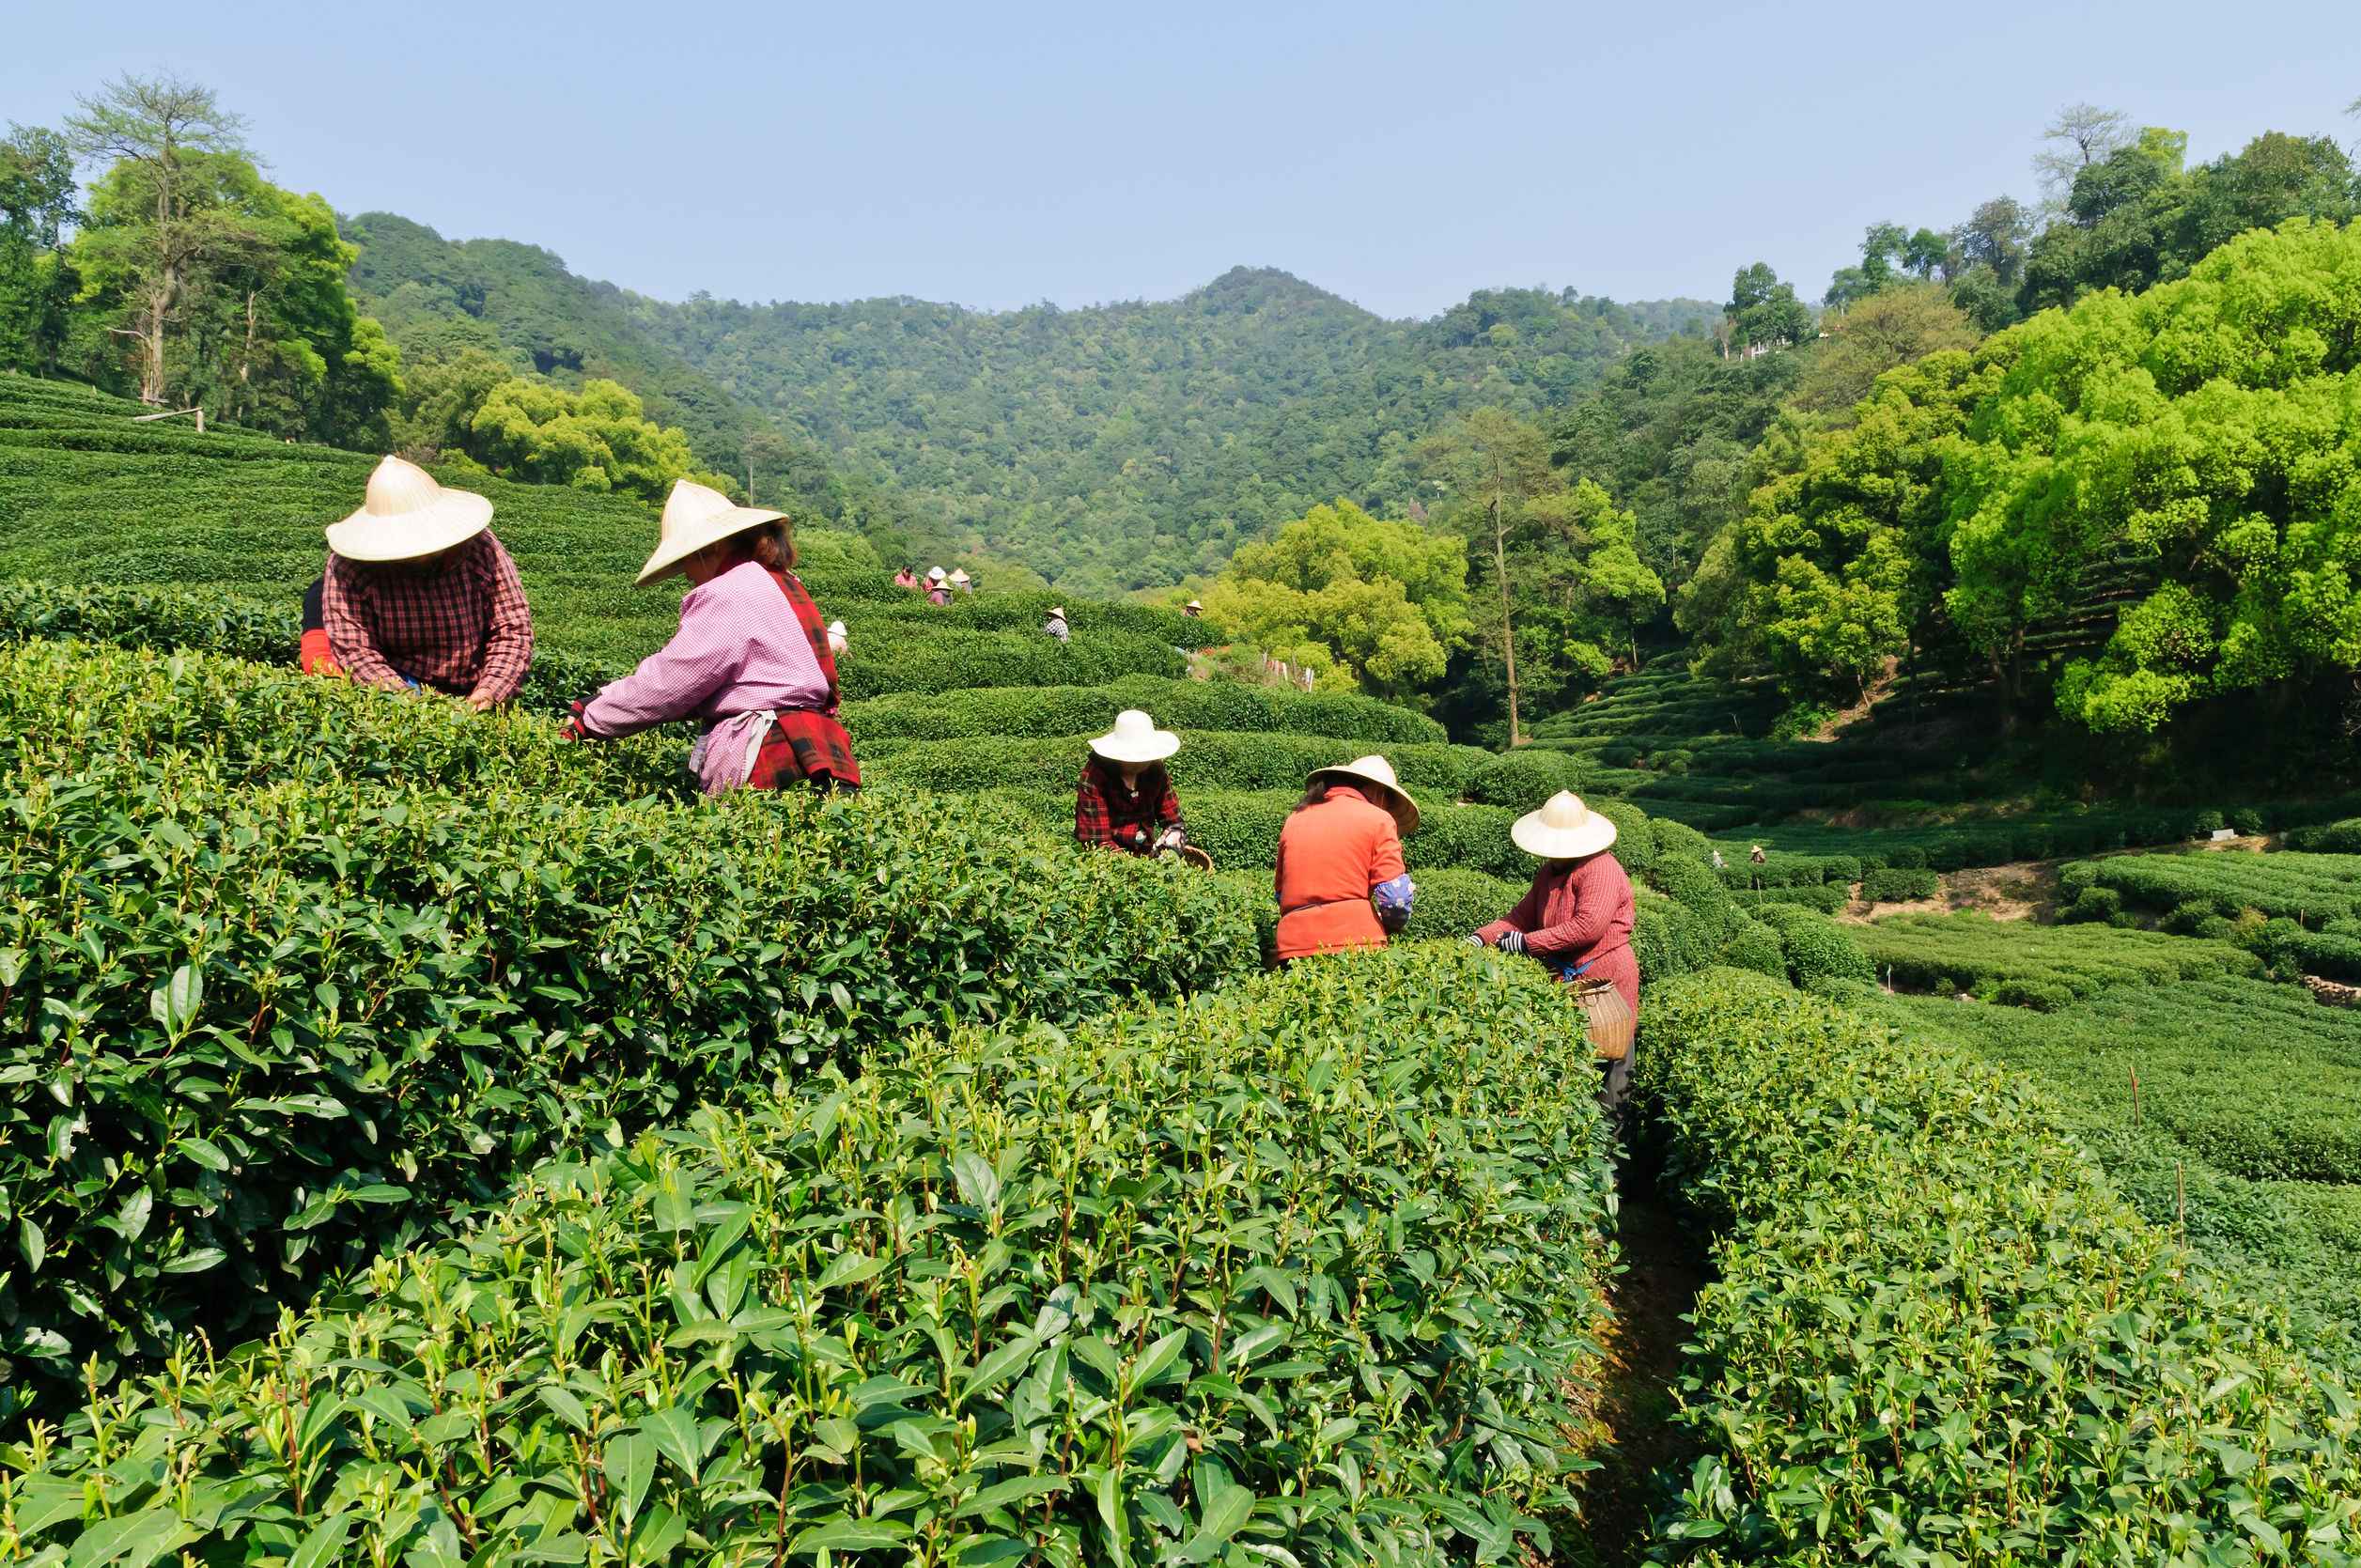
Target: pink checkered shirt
x,y
465,631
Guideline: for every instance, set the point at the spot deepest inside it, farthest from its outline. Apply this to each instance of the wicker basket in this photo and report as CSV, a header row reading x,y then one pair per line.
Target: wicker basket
x,y
1196,856
1610,1018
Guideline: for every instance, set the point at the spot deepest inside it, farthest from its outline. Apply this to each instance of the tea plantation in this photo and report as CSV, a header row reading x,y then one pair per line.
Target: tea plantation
x,y
431,1140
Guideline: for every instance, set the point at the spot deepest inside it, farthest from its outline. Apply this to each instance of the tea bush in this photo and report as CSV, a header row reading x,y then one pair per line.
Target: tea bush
x,y
1080,710
1816,948
1451,903
1939,1335
1305,1273
2036,966
1897,885
258,1037
1523,780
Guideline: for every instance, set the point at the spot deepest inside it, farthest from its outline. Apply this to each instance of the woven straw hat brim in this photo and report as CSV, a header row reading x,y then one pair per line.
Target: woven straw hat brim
x,y
712,530
1561,843
1404,810
1159,745
454,519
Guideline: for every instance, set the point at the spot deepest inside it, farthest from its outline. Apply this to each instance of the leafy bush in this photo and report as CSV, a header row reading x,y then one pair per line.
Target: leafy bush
x,y
1669,938
1451,903
2329,838
2102,903
2075,876
1911,1210
1895,1221
1827,898
1192,705
258,1037
1899,886
988,1297
1747,944
1816,948
1522,779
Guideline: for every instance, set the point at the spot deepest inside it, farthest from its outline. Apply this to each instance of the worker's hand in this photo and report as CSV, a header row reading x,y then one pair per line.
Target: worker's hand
x,y
1171,838
481,704
1472,939
1513,942
575,729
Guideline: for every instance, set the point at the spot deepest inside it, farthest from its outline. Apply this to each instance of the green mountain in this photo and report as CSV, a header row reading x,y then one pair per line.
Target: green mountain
x,y
1125,445
518,303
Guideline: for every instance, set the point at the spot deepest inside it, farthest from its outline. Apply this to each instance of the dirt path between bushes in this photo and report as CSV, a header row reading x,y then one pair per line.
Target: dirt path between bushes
x,y
1665,1266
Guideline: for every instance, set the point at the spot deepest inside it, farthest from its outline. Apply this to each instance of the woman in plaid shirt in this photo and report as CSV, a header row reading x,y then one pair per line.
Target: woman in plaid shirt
x,y
1125,798
419,593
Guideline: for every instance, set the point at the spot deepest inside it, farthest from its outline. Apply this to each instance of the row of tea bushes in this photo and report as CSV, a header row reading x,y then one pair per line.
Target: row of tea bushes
x,y
197,621
2021,964
1305,1273
1189,705
2312,887
1937,1334
255,1037
1207,760
226,721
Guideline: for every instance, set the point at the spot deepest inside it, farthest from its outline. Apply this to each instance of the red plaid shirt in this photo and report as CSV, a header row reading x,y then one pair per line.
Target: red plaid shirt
x,y
1109,817
464,630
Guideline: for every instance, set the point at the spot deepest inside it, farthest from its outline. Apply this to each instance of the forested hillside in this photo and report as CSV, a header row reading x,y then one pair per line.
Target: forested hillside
x,y
1128,445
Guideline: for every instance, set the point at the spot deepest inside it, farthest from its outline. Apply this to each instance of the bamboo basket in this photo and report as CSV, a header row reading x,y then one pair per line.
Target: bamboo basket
x,y
1610,1018
1196,856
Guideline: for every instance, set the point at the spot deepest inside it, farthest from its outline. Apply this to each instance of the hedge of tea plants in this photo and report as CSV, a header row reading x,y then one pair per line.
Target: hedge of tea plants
x,y
2223,1110
1188,704
2025,965
1207,760
1304,1273
2315,887
296,972
1938,1334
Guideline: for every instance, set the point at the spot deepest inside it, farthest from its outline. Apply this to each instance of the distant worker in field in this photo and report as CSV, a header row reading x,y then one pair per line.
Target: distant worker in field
x,y
1057,627
838,638
1194,609
958,580
1125,798
1341,880
906,578
937,587
1576,918
751,657
418,592
1758,857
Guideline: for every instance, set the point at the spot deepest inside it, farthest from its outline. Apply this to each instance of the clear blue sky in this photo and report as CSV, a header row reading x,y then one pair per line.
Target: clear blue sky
x,y
1401,156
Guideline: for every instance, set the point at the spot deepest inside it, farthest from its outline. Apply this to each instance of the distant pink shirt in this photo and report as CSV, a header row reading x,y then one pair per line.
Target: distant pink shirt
x,y
739,649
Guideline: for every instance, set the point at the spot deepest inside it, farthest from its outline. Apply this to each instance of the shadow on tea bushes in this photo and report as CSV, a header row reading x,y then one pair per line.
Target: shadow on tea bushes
x,y
1303,1273
258,1038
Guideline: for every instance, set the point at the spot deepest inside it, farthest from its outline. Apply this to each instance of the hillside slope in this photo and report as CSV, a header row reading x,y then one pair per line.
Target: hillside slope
x,y
1125,445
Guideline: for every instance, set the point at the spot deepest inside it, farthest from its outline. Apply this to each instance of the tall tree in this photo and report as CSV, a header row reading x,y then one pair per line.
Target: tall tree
x,y
36,202
162,135
1490,464
2079,135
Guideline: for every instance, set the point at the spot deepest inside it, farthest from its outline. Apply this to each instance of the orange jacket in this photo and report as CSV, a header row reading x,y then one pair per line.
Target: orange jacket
x,y
1329,857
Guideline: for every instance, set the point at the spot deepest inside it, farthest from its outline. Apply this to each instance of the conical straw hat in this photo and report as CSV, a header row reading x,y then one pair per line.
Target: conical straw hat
x,y
696,516
1563,830
959,574
408,515
1135,738
1376,771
